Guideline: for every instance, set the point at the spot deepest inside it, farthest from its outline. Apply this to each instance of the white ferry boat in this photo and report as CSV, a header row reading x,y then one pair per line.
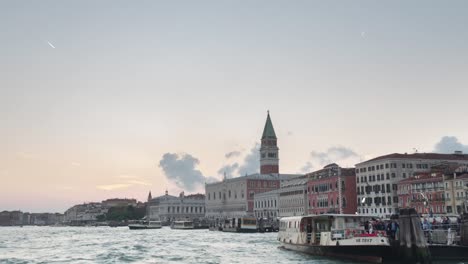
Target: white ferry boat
x,y
241,225
335,235
145,225
182,225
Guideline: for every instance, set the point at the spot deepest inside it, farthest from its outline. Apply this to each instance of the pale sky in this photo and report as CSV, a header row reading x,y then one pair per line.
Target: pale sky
x,y
94,93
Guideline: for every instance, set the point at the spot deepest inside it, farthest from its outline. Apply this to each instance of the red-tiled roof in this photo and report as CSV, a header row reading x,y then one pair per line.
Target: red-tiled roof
x,y
427,156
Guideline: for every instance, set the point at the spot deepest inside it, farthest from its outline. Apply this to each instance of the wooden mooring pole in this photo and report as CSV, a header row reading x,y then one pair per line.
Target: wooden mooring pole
x,y
464,230
413,244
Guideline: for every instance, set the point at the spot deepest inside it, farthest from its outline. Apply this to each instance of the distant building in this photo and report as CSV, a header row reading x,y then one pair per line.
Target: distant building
x,y
423,192
456,191
168,208
269,151
235,197
377,178
324,192
266,204
11,218
293,197
18,218
84,213
119,202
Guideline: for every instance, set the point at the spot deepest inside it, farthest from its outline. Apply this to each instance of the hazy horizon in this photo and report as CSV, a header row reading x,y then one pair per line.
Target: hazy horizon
x,y
113,99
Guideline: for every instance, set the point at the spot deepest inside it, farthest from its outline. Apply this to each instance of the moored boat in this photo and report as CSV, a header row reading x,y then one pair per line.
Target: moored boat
x,y
241,225
182,225
335,235
350,237
145,225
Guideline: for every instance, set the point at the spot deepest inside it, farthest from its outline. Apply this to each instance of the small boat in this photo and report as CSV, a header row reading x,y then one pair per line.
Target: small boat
x,y
145,225
241,225
182,225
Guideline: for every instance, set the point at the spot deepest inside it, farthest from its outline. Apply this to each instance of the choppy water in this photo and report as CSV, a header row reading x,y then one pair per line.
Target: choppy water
x,y
121,245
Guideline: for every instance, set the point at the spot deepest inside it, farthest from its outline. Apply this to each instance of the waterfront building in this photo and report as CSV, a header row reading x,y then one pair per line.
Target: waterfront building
x,y
168,208
234,197
293,197
326,186
456,191
11,218
266,204
119,202
423,192
377,179
84,213
18,218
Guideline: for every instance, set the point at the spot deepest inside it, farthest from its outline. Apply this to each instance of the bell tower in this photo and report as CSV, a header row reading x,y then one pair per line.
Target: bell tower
x,y
269,160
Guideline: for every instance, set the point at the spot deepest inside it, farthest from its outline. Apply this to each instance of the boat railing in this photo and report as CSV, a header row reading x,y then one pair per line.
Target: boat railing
x,y
443,234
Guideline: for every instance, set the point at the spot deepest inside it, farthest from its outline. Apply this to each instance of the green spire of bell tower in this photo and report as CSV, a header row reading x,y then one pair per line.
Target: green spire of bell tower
x,y
268,131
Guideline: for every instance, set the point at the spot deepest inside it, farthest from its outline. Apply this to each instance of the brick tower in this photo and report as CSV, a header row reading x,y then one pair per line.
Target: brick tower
x,y
269,160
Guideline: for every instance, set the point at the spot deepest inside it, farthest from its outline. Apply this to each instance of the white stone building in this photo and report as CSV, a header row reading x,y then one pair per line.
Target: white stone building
x,y
293,197
266,205
232,198
377,179
169,208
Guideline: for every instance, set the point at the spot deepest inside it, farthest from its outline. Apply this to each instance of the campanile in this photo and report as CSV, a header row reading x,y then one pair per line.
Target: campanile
x,y
269,160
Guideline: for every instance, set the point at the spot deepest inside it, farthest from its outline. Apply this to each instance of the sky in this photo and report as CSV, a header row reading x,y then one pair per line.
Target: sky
x,y
104,99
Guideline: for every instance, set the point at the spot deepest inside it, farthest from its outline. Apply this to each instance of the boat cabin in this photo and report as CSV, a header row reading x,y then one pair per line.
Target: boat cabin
x,y
328,229
183,225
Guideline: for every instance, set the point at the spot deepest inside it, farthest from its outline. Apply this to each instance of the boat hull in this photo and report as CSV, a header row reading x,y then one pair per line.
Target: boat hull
x,y
143,227
367,253
239,230
452,252
378,254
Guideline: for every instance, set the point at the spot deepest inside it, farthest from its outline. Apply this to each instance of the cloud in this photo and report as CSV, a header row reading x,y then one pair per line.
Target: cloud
x,y
137,182
229,169
124,182
450,144
111,187
331,155
232,154
307,167
181,170
249,164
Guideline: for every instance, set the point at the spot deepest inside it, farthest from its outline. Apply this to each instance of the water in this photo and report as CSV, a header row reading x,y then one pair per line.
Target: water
x,y
121,245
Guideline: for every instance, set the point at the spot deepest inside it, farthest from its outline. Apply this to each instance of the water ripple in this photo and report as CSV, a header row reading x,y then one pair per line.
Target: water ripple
x,y
121,245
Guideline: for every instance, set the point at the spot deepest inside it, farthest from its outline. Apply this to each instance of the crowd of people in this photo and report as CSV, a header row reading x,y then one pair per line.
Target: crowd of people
x,y
380,227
